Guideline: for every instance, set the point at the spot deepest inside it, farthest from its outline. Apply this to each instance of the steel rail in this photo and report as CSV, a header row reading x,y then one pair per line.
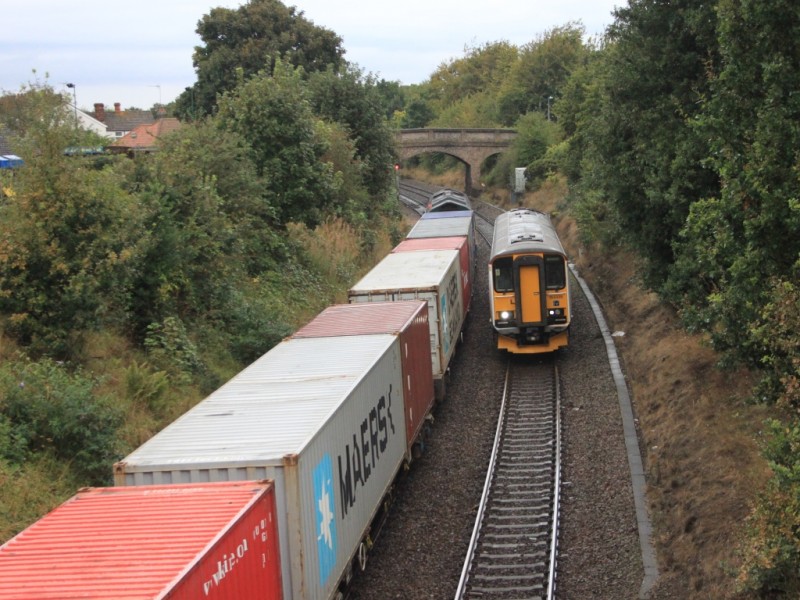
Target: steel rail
x,y
513,549
485,495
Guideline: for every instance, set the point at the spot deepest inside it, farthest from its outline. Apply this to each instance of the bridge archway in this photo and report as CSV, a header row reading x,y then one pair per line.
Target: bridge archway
x,y
470,146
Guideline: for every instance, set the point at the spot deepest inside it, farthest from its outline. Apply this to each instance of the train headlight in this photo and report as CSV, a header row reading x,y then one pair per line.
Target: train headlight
x,y
506,315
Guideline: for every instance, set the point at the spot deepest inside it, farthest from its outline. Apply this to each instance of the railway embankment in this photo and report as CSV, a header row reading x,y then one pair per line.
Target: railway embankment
x,y
697,432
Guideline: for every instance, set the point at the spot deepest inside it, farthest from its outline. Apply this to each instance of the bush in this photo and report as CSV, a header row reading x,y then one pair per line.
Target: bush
x,y
53,412
773,552
169,347
30,491
258,321
147,388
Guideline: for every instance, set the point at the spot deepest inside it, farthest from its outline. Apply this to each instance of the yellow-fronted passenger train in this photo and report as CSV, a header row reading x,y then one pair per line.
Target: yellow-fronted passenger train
x,y
528,284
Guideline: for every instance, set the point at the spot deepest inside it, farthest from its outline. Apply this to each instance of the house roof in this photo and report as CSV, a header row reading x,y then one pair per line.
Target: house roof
x,y
119,120
128,120
145,137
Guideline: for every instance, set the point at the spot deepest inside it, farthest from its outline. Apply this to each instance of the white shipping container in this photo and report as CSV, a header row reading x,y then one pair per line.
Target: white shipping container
x,y
323,418
457,223
445,224
433,276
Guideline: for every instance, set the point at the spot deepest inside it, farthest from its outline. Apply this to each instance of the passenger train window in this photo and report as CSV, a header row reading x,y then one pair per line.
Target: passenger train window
x,y
555,276
503,275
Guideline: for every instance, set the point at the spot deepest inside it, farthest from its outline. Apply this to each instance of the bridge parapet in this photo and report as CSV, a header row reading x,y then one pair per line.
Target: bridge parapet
x,y
456,136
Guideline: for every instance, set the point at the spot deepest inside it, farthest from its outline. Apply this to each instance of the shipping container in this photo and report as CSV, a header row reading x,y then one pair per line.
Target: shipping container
x,y
409,321
433,276
323,418
447,243
217,541
459,223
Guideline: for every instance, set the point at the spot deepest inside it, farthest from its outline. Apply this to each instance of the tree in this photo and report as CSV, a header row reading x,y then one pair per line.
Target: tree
x,y
69,237
351,199
481,70
645,158
209,224
239,43
418,114
535,135
392,95
544,66
355,101
750,233
272,113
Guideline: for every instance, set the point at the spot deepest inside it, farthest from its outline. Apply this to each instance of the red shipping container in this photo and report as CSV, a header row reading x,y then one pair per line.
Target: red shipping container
x,y
408,319
446,243
182,542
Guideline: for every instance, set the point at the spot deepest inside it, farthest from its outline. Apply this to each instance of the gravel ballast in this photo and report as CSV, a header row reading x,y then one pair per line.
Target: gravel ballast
x,y
420,551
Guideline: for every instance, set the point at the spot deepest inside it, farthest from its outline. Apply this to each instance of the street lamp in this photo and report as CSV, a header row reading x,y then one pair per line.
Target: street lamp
x,y
549,100
159,93
74,100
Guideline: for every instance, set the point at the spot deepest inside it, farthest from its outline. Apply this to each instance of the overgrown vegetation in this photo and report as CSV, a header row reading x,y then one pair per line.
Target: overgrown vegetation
x,y
131,288
677,132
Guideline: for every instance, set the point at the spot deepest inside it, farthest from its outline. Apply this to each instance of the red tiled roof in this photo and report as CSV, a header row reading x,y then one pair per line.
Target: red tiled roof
x,y
145,137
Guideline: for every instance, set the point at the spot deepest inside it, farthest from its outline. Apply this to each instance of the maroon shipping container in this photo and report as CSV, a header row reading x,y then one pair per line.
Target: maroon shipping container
x,y
446,243
215,541
408,319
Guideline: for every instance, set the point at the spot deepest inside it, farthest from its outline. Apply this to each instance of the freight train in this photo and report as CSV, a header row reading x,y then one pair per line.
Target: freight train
x,y
528,284
274,485
436,263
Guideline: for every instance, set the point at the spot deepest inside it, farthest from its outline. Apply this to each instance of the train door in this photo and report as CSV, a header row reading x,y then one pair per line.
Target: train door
x,y
530,297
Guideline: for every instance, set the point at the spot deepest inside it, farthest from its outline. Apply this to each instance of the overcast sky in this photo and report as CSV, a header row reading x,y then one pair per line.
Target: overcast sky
x,y
140,53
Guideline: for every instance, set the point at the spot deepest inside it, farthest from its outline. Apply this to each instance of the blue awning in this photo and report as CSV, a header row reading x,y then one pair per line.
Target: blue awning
x,y
9,161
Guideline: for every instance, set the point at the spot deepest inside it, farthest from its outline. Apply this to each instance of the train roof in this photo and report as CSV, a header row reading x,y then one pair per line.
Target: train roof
x,y
455,226
447,200
524,230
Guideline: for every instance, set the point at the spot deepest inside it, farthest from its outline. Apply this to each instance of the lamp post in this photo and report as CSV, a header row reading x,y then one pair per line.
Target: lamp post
x,y
549,100
74,100
159,93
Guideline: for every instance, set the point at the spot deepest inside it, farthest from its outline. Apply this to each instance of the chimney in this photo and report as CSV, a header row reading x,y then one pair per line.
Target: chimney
x,y
117,107
99,112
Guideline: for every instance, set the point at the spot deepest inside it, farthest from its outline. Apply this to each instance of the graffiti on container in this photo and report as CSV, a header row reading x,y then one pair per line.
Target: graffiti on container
x,y
369,444
451,312
230,560
225,566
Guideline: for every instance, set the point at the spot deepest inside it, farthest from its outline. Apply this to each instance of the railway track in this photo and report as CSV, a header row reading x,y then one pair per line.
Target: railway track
x,y
415,194
484,224
512,553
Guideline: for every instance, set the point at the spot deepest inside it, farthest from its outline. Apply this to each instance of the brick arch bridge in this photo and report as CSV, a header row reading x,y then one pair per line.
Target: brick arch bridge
x,y
470,146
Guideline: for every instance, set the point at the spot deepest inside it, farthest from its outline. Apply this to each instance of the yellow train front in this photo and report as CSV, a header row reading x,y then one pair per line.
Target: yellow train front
x,y
528,284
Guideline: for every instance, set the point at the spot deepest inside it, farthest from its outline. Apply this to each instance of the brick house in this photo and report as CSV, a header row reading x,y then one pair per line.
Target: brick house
x,y
144,138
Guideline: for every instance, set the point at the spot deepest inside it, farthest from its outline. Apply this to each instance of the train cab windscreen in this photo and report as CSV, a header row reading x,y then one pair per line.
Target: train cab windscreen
x,y
555,276
504,274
